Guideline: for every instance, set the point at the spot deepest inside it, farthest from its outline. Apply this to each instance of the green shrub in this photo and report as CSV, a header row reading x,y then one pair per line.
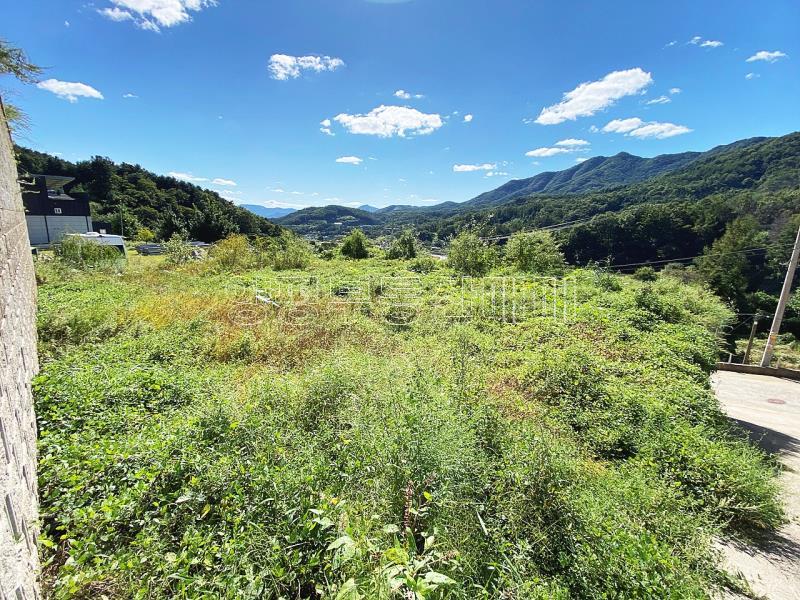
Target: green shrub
x,y
535,252
645,274
404,246
79,253
177,251
354,245
469,255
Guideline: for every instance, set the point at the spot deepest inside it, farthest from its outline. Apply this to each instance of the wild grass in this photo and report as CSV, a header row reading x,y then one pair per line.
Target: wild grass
x,y
198,441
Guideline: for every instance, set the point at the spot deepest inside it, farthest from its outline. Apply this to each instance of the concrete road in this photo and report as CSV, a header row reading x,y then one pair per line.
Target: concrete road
x,y
769,409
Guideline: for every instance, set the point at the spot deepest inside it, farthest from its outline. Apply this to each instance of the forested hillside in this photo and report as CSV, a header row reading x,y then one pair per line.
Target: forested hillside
x,y
153,206
329,221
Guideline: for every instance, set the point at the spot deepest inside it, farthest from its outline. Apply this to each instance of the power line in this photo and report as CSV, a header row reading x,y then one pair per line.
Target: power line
x,y
673,260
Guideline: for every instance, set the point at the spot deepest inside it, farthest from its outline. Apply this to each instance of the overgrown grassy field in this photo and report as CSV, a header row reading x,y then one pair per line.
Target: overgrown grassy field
x,y
366,431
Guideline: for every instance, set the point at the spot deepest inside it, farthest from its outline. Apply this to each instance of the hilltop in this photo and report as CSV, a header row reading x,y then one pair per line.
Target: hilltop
x,y
153,205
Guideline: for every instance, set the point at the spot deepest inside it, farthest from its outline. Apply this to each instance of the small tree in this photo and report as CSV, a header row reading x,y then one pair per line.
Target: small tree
x,y
535,252
470,256
404,246
177,250
355,245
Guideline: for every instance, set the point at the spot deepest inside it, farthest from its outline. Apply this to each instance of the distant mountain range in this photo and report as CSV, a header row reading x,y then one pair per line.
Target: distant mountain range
x,y
597,185
268,213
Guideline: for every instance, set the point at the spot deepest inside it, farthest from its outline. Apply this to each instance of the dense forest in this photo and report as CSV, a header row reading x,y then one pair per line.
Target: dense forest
x,y
149,206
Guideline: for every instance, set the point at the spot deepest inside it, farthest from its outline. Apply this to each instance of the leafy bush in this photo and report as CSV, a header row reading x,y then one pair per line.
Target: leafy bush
x,y
234,254
287,251
645,274
423,264
403,246
535,252
468,255
177,251
80,253
354,245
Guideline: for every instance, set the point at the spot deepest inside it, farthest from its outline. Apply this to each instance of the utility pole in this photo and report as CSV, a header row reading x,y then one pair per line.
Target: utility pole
x,y
750,341
784,299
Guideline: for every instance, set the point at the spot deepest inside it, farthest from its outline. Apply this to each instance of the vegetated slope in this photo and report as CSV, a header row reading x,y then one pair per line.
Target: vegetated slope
x,y
328,221
268,213
161,205
757,170
196,444
594,174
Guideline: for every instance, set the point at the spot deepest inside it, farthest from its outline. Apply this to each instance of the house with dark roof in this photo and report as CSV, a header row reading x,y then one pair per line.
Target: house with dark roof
x,y
50,212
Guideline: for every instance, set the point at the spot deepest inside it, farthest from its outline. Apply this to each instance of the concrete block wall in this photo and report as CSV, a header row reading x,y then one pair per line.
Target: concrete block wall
x,y
19,508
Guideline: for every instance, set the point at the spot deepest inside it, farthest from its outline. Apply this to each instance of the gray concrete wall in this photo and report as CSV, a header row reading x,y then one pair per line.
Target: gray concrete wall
x,y
19,509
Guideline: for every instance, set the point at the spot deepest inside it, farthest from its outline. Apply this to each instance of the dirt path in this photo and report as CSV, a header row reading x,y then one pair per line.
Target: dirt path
x,y
769,408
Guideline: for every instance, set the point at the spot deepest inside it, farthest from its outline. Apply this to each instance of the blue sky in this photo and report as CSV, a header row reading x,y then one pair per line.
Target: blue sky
x,y
299,102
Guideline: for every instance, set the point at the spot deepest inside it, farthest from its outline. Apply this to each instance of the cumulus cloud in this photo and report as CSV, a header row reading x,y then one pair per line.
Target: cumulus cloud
x,y
116,14
580,160
623,125
766,56
404,95
560,147
350,160
659,130
186,177
69,90
154,14
589,98
675,90
389,121
546,151
711,44
473,168
129,95
325,127
220,181
659,100
496,174
468,118
284,66
572,143
637,128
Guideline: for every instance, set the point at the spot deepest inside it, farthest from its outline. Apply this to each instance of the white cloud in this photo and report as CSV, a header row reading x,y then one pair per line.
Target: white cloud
x,y
325,127
659,130
404,95
497,174
350,160
659,100
711,44
623,125
766,56
220,181
186,177
580,160
277,190
473,168
154,14
544,152
129,95
69,90
670,44
572,143
589,98
637,128
696,40
284,66
388,121
675,90
752,76
66,23
116,14
468,118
